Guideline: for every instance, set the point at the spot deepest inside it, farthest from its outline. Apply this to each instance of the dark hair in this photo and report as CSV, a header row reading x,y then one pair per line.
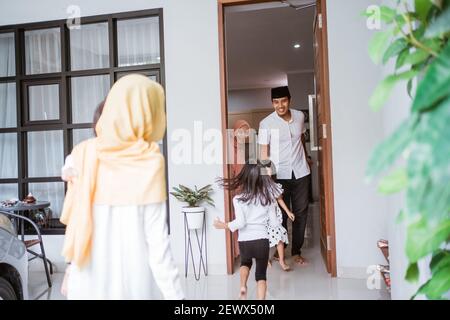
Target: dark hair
x,y
253,183
97,114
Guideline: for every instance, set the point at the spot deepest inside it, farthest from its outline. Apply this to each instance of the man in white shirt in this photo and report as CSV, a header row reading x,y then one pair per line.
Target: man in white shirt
x,y
281,139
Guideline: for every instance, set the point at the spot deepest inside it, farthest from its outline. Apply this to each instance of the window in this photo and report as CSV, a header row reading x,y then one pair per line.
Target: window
x,y
52,79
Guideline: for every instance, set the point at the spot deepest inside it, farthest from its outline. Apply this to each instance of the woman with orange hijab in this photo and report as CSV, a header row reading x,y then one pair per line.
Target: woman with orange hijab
x,y
241,134
241,131
117,237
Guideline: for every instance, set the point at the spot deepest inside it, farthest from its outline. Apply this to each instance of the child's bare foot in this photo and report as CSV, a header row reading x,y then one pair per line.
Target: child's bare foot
x,y
243,293
301,261
284,266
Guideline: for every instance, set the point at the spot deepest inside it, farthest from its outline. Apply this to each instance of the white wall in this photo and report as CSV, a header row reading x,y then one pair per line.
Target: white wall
x,y
248,99
360,213
193,92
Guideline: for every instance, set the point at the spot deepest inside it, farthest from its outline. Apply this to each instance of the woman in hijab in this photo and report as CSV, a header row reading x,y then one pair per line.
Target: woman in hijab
x,y
117,238
241,130
241,134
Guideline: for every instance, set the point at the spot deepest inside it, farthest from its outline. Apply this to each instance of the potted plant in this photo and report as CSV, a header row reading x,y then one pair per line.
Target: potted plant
x,y
194,213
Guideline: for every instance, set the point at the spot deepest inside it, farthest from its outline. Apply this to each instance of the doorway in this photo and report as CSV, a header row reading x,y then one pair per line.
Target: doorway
x,y
265,44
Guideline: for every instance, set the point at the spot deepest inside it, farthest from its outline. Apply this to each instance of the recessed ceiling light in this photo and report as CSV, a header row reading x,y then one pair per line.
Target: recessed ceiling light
x,y
297,46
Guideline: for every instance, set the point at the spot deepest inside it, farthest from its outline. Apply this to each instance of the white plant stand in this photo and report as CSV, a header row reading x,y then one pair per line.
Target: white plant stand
x,y
195,231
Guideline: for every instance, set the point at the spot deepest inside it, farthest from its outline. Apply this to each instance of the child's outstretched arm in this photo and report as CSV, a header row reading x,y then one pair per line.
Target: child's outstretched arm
x,y
219,224
237,223
285,208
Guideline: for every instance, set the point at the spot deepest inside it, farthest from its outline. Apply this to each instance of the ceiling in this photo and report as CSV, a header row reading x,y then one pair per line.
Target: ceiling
x,y
260,42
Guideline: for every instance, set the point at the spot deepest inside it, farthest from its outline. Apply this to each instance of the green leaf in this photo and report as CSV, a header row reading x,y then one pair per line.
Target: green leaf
x,y
401,58
416,57
440,260
436,82
384,89
395,182
412,274
387,14
439,26
394,49
409,88
423,238
378,45
422,8
193,197
438,285
391,148
429,166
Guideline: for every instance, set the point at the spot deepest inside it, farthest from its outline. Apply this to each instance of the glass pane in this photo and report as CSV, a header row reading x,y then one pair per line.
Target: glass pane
x,y
42,51
8,155
87,93
45,153
49,191
144,73
9,191
138,41
8,111
80,135
7,55
89,46
43,102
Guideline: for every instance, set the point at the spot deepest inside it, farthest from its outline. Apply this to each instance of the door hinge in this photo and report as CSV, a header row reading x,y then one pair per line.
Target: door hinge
x,y
329,243
324,130
320,21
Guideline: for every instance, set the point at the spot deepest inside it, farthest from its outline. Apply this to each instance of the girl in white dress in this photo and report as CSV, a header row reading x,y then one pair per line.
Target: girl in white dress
x,y
117,240
278,236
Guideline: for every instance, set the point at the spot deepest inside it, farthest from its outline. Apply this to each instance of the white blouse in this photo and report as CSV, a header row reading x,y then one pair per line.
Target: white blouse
x,y
252,220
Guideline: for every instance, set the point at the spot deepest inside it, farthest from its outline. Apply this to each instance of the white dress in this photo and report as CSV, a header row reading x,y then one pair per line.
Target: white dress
x,y
130,253
278,233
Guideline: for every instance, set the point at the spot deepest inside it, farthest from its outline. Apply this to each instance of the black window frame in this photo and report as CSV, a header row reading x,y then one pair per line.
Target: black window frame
x,y
64,123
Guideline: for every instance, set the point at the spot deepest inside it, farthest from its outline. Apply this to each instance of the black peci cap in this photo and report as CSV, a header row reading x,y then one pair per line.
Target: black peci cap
x,y
280,92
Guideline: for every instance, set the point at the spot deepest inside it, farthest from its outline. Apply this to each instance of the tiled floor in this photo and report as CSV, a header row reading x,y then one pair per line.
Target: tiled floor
x,y
302,283
306,283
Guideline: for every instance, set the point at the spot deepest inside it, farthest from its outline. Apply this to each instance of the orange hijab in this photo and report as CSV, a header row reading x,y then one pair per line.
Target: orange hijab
x,y
240,126
121,166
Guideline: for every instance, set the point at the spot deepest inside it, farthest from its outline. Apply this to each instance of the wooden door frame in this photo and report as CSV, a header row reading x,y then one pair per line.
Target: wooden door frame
x,y
328,178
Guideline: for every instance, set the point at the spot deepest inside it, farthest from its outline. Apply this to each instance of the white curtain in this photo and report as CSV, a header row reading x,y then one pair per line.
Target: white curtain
x,y
8,141
80,135
89,47
45,159
7,55
45,148
87,93
45,153
8,110
8,191
138,41
8,155
42,51
49,191
43,102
